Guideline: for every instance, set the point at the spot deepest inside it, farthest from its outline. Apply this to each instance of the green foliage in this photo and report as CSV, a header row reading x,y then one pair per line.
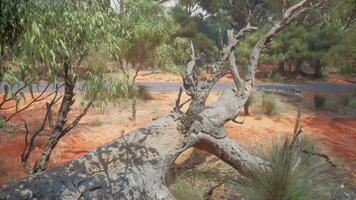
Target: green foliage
x,y
113,90
272,104
9,136
289,45
184,191
290,175
52,34
2,122
319,101
11,13
343,54
252,99
243,50
203,33
144,37
97,122
59,32
352,104
346,98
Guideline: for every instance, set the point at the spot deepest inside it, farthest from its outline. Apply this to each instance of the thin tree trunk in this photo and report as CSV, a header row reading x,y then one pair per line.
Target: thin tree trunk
x,y
298,67
247,109
57,132
318,69
281,66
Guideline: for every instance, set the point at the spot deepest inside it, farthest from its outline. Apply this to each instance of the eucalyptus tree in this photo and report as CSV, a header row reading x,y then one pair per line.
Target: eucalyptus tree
x,y
55,38
144,38
134,165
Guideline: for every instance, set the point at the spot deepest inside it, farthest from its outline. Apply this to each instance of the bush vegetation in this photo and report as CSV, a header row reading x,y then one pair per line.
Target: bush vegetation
x,y
252,99
113,90
319,101
292,174
342,102
272,104
185,191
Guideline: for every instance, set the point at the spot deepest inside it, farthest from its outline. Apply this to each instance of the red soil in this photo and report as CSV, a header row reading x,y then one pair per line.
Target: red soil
x,y
338,135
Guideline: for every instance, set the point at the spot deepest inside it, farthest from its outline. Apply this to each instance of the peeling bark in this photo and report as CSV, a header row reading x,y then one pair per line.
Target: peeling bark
x,y
130,167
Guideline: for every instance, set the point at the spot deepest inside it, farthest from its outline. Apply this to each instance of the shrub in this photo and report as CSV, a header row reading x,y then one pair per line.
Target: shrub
x,y
319,101
271,104
346,98
276,77
291,175
113,90
184,191
352,104
97,122
252,99
2,122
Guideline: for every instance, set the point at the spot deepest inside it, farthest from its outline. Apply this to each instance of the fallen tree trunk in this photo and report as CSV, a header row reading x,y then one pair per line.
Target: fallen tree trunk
x,y
130,167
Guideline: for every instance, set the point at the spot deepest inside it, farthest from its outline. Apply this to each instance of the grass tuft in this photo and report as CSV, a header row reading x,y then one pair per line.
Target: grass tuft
x,y
272,104
292,175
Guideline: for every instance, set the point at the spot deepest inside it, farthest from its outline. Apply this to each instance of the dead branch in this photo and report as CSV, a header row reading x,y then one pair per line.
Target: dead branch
x,y
208,194
177,106
324,156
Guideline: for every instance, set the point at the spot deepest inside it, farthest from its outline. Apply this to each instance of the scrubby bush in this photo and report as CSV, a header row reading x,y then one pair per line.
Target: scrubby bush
x,y
2,122
352,104
113,90
319,101
184,191
272,104
291,175
252,99
346,98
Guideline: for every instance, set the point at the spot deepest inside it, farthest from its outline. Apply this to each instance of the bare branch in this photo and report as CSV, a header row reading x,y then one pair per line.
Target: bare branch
x,y
235,73
190,81
209,193
30,144
237,122
185,102
36,99
324,156
177,107
78,118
